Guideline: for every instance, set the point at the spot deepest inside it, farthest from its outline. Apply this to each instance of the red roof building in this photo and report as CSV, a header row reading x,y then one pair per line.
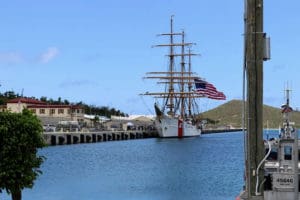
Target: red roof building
x,y
44,110
26,101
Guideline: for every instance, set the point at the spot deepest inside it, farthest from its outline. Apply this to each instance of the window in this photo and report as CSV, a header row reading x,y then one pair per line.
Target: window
x,y
42,111
273,154
288,152
33,110
52,111
60,111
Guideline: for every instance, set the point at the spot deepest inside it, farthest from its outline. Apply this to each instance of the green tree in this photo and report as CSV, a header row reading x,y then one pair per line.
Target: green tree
x,y
44,99
66,102
10,94
96,120
59,100
20,138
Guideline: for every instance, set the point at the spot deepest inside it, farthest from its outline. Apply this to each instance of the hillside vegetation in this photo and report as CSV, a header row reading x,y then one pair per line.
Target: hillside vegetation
x,y
230,113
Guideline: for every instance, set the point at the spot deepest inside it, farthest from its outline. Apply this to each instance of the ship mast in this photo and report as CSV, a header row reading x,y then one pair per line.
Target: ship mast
x,y
181,78
182,112
172,78
190,85
287,115
171,69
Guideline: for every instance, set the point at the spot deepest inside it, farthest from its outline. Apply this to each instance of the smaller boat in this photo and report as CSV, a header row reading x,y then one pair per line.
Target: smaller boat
x,y
281,162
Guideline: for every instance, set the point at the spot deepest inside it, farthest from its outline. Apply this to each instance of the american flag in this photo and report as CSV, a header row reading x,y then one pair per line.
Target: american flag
x,y
209,90
286,109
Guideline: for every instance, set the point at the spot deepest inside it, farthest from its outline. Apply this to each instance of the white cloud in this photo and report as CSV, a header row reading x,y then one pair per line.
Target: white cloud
x,y
10,57
49,55
14,57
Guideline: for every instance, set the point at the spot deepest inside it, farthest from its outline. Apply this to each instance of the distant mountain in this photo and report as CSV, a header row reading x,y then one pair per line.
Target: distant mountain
x,y
230,113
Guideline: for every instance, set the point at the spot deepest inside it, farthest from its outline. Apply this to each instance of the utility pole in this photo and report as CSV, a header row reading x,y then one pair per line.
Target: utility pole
x,y
254,66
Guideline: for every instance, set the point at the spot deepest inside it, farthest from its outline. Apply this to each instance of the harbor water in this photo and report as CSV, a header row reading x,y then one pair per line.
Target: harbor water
x,y
209,167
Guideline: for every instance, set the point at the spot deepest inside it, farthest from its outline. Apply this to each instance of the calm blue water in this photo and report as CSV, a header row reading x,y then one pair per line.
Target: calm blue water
x,y
209,167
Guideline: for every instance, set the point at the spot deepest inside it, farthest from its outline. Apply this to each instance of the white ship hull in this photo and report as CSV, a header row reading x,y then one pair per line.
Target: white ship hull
x,y
173,127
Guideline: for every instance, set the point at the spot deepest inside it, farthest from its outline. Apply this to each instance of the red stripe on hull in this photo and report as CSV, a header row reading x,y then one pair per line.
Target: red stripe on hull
x,y
180,128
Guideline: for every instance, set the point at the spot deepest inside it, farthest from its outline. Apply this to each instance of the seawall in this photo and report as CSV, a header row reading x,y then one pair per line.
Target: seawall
x,y
62,138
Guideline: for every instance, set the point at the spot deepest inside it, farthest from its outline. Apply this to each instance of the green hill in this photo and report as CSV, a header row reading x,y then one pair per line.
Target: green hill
x,y
230,113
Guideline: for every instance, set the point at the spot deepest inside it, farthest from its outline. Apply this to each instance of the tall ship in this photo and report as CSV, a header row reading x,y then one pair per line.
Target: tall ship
x,y
177,113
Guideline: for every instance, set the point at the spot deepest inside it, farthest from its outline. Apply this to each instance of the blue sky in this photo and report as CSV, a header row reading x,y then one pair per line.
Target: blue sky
x,y
98,51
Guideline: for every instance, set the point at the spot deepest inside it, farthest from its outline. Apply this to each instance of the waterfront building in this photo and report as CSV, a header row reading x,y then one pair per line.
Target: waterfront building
x,y
48,113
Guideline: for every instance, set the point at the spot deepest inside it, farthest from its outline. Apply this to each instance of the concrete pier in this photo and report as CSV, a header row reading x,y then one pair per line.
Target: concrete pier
x,y
66,138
